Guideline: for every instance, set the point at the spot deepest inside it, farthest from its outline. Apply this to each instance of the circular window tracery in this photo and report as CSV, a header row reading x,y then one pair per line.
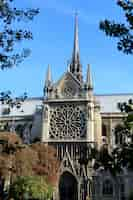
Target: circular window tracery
x,y
67,121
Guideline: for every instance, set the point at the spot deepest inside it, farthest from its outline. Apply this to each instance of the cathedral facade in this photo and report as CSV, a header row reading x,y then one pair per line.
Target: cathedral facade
x,y
72,123
74,120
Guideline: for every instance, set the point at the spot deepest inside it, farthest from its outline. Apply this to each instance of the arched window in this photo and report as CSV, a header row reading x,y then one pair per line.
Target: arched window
x,y
104,130
107,187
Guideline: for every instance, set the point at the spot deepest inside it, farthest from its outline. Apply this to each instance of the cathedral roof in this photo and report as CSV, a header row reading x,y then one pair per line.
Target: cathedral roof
x,y
108,104
28,108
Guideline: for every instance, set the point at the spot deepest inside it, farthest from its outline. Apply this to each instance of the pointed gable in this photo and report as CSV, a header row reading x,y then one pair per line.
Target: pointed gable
x,y
68,86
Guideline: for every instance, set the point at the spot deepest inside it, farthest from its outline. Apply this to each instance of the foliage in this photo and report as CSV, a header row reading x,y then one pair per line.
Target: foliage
x,y
130,196
121,156
10,102
10,138
122,31
127,108
4,165
9,35
31,187
19,129
25,159
19,160
9,142
107,161
48,164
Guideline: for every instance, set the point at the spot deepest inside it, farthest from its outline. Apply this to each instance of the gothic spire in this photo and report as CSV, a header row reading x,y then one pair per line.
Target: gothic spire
x,y
89,80
76,54
75,66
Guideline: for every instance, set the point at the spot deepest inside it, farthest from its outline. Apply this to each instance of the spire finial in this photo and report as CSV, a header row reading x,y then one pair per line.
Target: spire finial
x,y
76,56
89,80
75,66
48,77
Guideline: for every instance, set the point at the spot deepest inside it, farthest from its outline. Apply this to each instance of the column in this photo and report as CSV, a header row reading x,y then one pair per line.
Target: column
x,y
45,123
90,122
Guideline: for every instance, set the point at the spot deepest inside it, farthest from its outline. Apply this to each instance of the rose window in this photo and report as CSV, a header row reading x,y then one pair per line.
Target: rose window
x,y
67,121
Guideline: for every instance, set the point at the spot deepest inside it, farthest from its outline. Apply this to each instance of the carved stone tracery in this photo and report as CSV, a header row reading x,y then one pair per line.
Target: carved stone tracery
x,y
67,121
68,88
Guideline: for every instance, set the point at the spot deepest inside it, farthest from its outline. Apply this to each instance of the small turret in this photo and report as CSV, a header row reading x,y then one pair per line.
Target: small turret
x,y
48,77
48,81
89,81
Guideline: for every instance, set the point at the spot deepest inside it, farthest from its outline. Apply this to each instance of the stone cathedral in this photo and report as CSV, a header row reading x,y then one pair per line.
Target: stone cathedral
x,y
74,120
71,122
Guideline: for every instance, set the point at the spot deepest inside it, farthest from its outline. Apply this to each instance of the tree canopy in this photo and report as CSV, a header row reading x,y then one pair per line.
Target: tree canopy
x,y
122,155
122,31
10,36
36,162
31,187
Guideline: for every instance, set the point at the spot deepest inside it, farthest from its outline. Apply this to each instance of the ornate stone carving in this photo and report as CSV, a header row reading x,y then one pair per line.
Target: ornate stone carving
x,y
68,89
67,121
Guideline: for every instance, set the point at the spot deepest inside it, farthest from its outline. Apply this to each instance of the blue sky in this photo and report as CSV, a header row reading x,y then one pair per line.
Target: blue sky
x,y
53,42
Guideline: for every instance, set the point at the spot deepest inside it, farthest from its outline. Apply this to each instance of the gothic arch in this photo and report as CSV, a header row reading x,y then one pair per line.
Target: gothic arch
x,y
68,186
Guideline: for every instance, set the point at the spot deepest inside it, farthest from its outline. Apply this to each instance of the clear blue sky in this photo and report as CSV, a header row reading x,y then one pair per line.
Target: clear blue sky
x,y
53,42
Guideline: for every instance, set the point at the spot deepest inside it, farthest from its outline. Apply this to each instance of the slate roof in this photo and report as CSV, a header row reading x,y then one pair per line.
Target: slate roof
x,y
108,104
28,108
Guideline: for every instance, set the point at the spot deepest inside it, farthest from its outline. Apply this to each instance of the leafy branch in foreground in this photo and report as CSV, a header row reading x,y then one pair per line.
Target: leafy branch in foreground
x,y
7,100
9,36
121,155
31,187
122,31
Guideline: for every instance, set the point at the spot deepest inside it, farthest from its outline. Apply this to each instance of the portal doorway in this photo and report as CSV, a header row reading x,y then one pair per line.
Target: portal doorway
x,y
68,187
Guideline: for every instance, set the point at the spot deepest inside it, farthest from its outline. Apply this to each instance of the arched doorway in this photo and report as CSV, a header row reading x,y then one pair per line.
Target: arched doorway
x,y
68,187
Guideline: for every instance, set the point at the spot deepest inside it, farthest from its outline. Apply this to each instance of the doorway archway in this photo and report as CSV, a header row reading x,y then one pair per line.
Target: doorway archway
x,y
68,187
